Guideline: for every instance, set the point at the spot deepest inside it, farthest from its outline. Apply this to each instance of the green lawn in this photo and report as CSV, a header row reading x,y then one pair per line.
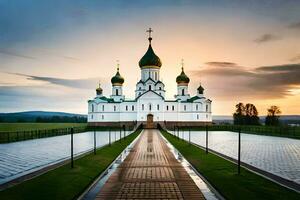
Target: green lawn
x,y
37,126
67,183
222,174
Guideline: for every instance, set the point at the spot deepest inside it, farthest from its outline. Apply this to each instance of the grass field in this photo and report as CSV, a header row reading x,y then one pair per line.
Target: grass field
x,y
10,127
222,174
67,183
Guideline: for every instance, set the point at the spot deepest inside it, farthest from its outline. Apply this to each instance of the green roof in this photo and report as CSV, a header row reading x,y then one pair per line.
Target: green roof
x,y
106,99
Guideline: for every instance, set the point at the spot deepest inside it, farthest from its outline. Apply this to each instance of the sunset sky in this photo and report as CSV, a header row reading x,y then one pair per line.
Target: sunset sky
x,y
53,53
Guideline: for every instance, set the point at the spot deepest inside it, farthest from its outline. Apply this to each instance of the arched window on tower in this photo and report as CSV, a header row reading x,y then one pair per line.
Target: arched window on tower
x,y
150,107
142,106
92,107
115,108
117,92
206,108
149,87
102,107
182,92
196,106
157,106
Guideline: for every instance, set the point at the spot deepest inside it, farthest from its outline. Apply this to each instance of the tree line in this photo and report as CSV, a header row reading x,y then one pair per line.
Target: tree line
x,y
59,119
248,115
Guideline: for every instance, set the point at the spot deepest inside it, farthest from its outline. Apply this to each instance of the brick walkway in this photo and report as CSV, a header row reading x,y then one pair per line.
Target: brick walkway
x,y
150,171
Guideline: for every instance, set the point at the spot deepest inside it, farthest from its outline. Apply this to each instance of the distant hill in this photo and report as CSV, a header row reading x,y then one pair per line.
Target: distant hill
x,y
42,116
285,119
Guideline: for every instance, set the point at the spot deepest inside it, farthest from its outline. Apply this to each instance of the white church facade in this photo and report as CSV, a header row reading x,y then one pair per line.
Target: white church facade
x,y
150,105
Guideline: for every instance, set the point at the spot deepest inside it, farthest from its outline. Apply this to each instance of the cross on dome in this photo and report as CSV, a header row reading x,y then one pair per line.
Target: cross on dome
x,y
150,30
182,63
118,65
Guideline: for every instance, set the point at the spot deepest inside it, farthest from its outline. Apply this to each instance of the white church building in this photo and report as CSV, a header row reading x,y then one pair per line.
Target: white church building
x,y
150,106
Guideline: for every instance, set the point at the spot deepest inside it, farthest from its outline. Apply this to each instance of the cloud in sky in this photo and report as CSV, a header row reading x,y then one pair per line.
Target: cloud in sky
x,y
295,25
11,53
87,83
295,58
268,37
261,82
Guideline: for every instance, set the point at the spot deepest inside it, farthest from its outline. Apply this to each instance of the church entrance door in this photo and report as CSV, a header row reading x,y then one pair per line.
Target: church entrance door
x,y
150,123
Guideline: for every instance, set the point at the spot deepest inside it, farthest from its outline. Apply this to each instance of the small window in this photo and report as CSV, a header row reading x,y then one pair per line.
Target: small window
x,y
159,88
159,93
126,108
155,75
115,108
117,92
197,107
150,106
206,108
173,108
142,106
92,116
197,116
157,106
206,116
102,107
92,108
184,107
167,107
140,88
102,116
132,108
182,92
140,94
149,87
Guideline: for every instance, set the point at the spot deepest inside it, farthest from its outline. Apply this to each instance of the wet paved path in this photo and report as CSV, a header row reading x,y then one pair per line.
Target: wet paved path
x,y
150,171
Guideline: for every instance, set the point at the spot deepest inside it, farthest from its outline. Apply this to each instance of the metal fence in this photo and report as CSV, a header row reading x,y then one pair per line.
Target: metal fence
x,y
282,131
14,136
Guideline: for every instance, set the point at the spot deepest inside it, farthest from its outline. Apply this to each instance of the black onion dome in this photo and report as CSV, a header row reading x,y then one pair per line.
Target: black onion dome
x,y
200,89
99,90
150,58
117,79
182,78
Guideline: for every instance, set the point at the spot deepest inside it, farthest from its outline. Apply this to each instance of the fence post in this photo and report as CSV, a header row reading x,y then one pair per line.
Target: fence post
x,y
95,142
206,148
72,158
124,129
190,136
109,137
239,152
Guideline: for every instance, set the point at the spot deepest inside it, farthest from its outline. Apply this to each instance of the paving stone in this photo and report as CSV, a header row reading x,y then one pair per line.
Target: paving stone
x,y
150,171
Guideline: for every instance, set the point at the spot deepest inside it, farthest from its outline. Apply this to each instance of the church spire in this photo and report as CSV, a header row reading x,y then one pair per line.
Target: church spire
x,y
117,79
182,78
150,59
